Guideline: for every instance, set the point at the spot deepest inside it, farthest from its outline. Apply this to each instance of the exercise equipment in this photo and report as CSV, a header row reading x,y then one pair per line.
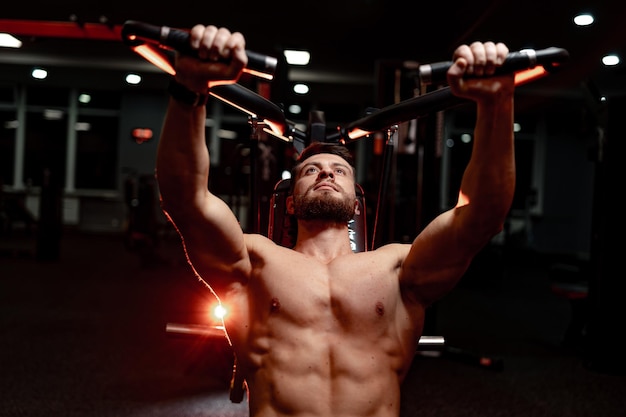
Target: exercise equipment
x,y
150,41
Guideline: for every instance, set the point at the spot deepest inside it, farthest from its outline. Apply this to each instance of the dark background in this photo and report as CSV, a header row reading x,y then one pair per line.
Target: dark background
x,y
83,307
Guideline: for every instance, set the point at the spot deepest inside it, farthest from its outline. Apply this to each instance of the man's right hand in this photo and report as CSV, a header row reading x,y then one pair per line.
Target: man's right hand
x,y
221,58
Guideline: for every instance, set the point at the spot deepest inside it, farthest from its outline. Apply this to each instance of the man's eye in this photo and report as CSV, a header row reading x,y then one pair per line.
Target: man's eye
x,y
311,170
340,171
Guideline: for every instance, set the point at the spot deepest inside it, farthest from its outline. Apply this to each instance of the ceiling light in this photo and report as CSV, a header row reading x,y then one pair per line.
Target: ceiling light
x,y
610,60
39,73
11,124
84,98
133,79
583,19
9,41
82,126
295,57
226,134
295,109
301,88
53,114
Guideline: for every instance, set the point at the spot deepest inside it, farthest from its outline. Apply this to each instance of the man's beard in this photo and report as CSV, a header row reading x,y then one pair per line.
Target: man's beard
x,y
325,207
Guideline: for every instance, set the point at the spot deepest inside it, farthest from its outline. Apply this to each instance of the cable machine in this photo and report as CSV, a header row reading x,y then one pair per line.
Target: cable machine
x,y
158,43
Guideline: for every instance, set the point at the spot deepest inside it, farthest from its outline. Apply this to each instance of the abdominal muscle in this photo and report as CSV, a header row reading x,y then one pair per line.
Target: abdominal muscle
x,y
324,375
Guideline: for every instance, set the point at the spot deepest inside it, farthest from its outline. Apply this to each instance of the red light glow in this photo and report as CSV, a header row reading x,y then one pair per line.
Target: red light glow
x,y
142,135
526,76
219,312
154,57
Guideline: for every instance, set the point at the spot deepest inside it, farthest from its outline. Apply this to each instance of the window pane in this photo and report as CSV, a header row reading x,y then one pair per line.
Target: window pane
x,y
47,96
7,146
7,94
96,152
99,99
46,143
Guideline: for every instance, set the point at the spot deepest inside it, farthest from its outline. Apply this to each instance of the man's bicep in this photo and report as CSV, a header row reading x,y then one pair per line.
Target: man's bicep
x,y
436,261
214,240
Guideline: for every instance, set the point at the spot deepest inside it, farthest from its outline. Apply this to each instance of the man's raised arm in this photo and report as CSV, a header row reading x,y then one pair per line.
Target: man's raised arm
x,y
441,254
212,236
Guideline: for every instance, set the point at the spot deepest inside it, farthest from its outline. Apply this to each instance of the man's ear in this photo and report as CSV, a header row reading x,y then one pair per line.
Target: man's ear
x,y
289,204
357,207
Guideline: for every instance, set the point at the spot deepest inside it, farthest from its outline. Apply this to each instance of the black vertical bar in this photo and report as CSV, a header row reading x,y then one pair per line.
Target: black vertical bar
x,y
254,220
605,349
381,209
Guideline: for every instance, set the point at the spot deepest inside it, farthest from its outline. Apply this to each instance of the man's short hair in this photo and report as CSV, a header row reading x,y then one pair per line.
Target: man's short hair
x,y
316,148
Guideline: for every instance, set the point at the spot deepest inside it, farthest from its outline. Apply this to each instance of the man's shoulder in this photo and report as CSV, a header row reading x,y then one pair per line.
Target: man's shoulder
x,y
393,252
261,244
393,247
258,239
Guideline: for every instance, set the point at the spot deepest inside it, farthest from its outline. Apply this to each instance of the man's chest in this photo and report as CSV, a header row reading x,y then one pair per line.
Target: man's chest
x,y
344,294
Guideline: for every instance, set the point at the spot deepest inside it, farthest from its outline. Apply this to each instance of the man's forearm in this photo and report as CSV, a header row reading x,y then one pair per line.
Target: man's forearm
x,y
488,184
182,165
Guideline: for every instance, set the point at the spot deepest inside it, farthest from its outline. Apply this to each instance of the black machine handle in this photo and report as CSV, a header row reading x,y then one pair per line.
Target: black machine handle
x,y
549,58
135,33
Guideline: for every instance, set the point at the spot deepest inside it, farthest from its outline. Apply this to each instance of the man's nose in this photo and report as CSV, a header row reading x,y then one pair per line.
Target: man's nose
x,y
326,173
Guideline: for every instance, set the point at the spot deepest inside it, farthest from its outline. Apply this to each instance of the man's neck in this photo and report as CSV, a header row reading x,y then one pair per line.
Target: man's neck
x,y
323,240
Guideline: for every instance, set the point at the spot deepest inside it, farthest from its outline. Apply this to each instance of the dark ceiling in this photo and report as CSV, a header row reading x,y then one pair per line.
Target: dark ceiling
x,y
351,40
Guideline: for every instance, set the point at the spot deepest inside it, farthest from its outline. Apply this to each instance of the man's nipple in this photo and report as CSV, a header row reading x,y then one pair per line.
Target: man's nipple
x,y
274,305
380,309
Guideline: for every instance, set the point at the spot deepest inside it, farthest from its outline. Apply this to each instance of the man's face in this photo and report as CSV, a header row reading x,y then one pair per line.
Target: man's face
x,y
324,189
